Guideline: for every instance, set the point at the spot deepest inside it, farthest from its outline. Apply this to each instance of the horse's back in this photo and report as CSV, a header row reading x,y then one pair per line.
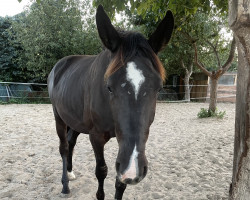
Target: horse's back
x,y
66,86
69,66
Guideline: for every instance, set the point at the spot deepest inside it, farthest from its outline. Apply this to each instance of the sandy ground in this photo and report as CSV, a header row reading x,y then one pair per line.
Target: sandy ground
x,y
189,158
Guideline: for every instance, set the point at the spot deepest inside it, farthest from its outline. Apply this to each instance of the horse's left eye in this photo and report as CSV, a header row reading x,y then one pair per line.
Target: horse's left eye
x,y
109,89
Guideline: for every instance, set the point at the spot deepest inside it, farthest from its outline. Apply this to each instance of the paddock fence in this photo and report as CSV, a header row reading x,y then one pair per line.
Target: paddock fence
x,y
23,92
198,93
37,92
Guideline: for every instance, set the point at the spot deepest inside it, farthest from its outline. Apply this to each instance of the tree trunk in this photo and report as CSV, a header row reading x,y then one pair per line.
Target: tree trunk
x,y
187,87
188,73
213,94
239,22
215,75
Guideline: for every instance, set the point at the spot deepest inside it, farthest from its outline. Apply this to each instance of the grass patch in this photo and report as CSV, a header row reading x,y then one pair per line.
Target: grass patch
x,y
205,113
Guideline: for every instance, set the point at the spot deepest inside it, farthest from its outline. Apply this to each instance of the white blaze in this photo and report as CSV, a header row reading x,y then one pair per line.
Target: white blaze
x,y
135,77
131,171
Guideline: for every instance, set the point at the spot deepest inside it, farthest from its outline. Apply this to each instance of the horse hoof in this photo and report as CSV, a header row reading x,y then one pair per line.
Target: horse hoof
x,y
100,195
65,192
71,176
62,195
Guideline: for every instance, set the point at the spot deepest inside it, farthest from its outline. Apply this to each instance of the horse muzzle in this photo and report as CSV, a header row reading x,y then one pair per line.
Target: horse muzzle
x,y
132,175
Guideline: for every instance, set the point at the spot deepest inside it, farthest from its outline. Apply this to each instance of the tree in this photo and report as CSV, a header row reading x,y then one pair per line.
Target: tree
x,y
10,71
188,72
178,59
198,28
204,29
179,7
45,34
239,22
51,30
215,74
201,28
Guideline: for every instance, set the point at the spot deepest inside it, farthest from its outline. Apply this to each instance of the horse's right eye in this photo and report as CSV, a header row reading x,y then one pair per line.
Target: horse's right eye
x,y
110,90
159,90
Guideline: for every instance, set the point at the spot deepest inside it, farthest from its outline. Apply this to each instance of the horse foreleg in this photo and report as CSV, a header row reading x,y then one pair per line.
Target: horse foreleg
x,y
61,129
72,137
101,171
119,189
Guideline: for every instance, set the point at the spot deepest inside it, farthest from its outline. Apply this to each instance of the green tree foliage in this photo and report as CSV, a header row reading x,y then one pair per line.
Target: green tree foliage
x,y
11,71
8,51
194,18
50,30
205,30
201,20
200,27
38,1
180,8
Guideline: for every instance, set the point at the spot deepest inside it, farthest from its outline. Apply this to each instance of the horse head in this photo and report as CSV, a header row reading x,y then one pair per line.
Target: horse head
x,y
133,78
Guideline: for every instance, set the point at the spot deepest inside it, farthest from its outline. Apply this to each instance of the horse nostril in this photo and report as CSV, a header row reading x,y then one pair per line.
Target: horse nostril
x,y
145,171
128,181
117,166
137,180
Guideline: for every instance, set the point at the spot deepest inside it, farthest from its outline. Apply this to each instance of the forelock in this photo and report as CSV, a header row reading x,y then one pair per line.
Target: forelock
x,y
134,45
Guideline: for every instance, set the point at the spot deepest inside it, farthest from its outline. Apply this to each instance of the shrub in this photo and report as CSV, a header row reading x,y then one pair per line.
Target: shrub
x,y
205,113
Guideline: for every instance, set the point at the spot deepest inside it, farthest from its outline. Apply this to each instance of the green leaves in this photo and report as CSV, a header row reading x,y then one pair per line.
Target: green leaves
x,y
205,113
38,1
51,30
8,52
180,8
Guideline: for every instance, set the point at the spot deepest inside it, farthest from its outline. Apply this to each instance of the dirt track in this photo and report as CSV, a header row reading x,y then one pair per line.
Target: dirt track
x,y
189,158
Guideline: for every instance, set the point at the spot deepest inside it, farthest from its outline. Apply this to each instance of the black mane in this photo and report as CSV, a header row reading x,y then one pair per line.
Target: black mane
x,y
134,44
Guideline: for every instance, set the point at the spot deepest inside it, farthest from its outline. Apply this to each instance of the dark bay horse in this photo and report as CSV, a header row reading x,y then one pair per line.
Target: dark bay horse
x,y
110,95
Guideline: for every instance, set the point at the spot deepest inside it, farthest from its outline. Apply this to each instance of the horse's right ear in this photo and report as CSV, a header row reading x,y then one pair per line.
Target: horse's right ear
x,y
109,36
162,34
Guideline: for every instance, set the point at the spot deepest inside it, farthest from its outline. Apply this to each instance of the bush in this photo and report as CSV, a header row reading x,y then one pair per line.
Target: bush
x,y
205,113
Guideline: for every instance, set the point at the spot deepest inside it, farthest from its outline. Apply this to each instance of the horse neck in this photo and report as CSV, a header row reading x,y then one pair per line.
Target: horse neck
x,y
99,66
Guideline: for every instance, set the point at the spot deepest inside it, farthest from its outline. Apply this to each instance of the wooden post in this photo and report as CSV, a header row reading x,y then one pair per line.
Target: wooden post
x,y
239,21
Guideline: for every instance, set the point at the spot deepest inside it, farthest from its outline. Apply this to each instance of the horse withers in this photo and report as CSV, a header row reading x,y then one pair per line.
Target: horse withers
x,y
110,95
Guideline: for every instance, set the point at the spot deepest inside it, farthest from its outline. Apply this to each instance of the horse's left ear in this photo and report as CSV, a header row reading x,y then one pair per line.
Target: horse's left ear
x,y
109,36
159,39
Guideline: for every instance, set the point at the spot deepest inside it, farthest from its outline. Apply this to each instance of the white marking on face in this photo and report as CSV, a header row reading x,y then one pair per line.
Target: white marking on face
x,y
132,169
144,94
135,77
123,85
